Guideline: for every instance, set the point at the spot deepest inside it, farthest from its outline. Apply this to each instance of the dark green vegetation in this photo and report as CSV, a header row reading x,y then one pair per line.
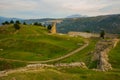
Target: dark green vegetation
x,y
63,74
4,65
110,23
16,26
114,57
32,43
102,34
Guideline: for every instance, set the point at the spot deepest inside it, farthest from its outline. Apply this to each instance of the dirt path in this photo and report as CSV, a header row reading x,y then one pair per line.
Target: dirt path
x,y
52,60
62,57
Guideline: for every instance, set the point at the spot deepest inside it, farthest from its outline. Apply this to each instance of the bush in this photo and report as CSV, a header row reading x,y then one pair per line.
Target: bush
x,y
3,23
36,23
24,23
102,34
49,27
16,26
17,22
11,22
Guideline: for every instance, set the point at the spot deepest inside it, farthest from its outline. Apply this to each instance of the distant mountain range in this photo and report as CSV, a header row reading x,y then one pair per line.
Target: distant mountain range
x,y
110,23
76,16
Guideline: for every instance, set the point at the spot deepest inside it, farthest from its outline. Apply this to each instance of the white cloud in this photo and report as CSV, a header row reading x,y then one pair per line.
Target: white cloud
x,y
17,5
58,8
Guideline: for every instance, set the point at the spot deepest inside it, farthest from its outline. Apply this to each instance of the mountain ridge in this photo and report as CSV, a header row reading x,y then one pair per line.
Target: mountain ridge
x,y
110,23
76,16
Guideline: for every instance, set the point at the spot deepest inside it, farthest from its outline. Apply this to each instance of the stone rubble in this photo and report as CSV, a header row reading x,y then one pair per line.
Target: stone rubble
x,y
41,66
74,64
101,54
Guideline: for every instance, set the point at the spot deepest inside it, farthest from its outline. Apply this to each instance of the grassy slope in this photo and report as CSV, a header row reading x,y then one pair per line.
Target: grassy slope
x,y
84,55
114,56
63,74
34,43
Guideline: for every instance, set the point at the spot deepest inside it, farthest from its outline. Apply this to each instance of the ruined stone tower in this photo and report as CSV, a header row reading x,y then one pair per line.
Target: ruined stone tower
x,y
53,29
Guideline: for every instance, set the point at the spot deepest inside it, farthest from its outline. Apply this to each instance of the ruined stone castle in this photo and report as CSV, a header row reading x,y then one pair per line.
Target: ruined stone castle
x,y
53,29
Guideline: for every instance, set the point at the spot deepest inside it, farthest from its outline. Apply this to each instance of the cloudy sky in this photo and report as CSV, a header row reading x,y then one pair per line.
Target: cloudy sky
x,y
57,8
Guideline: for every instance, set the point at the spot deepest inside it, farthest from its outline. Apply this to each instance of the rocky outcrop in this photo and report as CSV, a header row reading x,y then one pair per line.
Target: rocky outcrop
x,y
101,54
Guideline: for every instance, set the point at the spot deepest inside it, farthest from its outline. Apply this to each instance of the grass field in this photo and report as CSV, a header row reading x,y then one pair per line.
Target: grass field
x,y
63,74
84,55
32,43
114,57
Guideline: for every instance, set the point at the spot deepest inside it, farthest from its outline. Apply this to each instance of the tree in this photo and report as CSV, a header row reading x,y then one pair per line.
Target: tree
x,y
49,27
36,23
17,22
16,26
102,34
87,31
40,24
24,23
3,23
11,22
44,25
6,22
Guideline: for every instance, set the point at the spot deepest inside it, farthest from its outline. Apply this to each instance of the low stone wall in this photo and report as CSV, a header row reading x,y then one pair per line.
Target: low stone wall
x,y
83,34
36,67
74,64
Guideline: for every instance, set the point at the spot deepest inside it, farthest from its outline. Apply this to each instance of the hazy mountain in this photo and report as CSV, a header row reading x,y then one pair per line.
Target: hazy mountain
x,y
3,19
30,21
76,16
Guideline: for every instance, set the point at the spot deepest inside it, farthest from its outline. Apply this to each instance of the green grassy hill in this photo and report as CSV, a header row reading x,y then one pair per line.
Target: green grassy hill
x,y
34,43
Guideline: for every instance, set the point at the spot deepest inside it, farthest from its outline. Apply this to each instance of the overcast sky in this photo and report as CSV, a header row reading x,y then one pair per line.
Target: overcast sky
x,y
57,8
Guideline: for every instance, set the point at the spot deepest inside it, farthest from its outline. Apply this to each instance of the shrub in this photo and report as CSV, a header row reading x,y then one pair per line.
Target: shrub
x,y
16,26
